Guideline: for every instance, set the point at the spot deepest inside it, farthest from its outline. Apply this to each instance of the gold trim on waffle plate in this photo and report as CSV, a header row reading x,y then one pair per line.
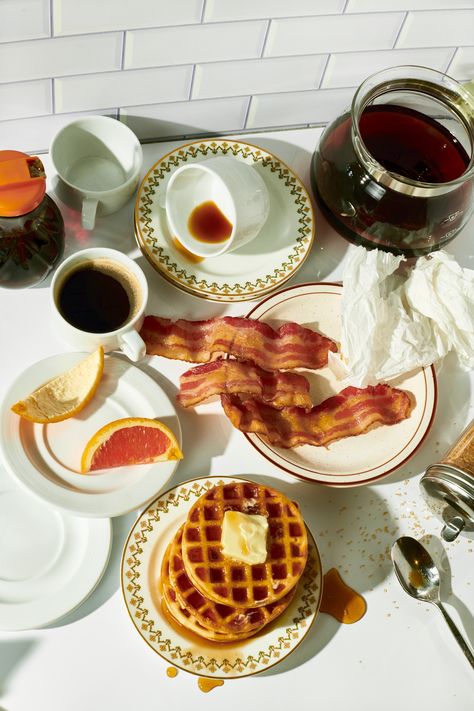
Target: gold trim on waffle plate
x,y
267,648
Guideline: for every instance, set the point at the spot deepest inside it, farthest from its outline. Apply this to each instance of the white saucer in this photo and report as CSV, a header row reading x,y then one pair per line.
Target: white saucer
x,y
49,561
46,458
254,269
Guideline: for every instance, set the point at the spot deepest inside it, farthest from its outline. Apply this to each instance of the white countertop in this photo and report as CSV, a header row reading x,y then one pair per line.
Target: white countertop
x,y
400,655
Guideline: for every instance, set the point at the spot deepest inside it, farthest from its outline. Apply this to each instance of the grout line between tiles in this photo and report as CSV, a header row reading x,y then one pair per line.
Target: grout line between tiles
x,y
400,30
247,111
324,71
448,65
122,50
203,10
53,96
191,83
51,18
264,43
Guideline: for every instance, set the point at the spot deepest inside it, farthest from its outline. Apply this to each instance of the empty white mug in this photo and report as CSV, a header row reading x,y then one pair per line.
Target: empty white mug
x,y
124,270
98,161
237,190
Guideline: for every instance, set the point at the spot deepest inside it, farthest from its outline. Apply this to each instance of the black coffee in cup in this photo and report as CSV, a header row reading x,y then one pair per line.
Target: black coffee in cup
x,y
99,296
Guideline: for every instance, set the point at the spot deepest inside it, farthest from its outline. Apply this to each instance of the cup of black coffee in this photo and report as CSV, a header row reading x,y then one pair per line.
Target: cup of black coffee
x,y
98,298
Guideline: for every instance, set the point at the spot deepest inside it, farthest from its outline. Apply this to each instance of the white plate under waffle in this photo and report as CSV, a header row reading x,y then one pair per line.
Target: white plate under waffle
x,y
141,564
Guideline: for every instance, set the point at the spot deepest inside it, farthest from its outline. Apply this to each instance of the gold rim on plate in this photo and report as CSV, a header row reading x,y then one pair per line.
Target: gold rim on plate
x,y
140,566
247,277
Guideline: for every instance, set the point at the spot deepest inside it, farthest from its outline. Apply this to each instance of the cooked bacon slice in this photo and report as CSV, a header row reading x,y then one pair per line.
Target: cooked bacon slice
x,y
351,412
291,346
232,376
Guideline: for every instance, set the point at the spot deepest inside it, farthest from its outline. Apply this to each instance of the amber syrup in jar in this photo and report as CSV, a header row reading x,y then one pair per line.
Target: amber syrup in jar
x,y
31,225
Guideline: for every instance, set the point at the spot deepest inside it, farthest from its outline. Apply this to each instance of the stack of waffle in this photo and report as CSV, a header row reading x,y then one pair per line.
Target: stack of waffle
x,y
220,598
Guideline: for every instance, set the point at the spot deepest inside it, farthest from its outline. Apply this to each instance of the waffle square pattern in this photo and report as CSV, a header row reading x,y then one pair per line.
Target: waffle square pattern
x,y
216,596
231,582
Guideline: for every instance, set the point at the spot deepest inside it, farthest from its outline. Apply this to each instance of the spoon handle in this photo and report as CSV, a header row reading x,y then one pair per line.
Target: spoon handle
x,y
458,636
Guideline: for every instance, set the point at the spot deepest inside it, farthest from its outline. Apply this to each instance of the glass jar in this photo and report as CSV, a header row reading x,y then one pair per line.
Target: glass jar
x,y
31,225
448,487
396,171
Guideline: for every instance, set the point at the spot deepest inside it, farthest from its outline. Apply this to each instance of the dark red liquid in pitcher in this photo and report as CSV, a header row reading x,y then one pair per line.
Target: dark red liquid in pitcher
x,y
406,143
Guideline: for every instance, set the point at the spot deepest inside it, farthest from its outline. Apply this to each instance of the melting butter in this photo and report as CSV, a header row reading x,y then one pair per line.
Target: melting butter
x,y
244,537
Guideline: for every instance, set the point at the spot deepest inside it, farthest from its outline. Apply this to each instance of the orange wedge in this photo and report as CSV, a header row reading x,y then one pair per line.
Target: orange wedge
x,y
131,440
66,394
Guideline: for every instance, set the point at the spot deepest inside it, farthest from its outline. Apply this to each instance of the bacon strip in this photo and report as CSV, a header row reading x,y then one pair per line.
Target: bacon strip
x,y
349,413
232,376
291,346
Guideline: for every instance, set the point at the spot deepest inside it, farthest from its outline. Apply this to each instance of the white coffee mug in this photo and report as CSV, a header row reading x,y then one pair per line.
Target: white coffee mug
x,y
98,161
129,275
237,190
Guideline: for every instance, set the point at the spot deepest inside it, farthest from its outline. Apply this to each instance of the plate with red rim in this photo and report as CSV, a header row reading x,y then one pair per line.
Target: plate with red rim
x,y
358,459
140,572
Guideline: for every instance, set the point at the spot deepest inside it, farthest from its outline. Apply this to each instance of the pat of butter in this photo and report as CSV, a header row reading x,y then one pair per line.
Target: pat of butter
x,y
244,537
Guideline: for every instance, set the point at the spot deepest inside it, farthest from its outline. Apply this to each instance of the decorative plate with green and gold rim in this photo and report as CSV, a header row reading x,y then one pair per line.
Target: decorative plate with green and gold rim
x,y
141,563
255,269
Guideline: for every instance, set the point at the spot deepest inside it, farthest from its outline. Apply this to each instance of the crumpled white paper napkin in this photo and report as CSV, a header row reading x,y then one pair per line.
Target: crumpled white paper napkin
x,y
392,323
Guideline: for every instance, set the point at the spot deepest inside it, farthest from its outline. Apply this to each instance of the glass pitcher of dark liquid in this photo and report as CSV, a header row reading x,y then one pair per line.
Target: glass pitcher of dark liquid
x,y
396,171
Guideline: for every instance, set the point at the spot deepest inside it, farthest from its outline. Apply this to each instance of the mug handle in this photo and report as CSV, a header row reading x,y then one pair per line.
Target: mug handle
x,y
132,345
89,208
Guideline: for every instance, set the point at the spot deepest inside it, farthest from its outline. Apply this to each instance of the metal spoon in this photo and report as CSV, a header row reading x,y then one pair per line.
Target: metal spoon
x,y
419,577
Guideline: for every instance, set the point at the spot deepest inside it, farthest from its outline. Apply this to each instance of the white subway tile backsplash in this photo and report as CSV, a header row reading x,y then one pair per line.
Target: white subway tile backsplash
x,y
138,86
350,68
34,135
250,10
439,28
194,43
75,16
384,5
59,56
187,67
29,98
297,108
257,76
24,19
462,66
187,117
333,33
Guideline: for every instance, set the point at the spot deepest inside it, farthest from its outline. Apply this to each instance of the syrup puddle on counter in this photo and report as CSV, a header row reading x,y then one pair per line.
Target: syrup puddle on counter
x,y
206,685
172,672
341,601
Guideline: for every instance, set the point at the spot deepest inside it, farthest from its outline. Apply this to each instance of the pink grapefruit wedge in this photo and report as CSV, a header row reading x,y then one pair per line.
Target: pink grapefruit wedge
x,y
129,441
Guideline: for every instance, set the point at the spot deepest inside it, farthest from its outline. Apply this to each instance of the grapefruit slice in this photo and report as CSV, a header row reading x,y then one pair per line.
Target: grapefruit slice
x,y
66,394
131,440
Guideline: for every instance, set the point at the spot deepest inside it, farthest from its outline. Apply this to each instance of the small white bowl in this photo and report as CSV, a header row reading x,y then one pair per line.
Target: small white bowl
x,y
235,187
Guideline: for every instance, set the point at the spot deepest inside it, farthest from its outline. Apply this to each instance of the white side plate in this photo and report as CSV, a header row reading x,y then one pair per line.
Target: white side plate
x,y
46,458
50,562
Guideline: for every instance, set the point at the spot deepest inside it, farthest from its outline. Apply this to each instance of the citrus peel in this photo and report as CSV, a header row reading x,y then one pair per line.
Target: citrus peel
x,y
66,394
129,441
